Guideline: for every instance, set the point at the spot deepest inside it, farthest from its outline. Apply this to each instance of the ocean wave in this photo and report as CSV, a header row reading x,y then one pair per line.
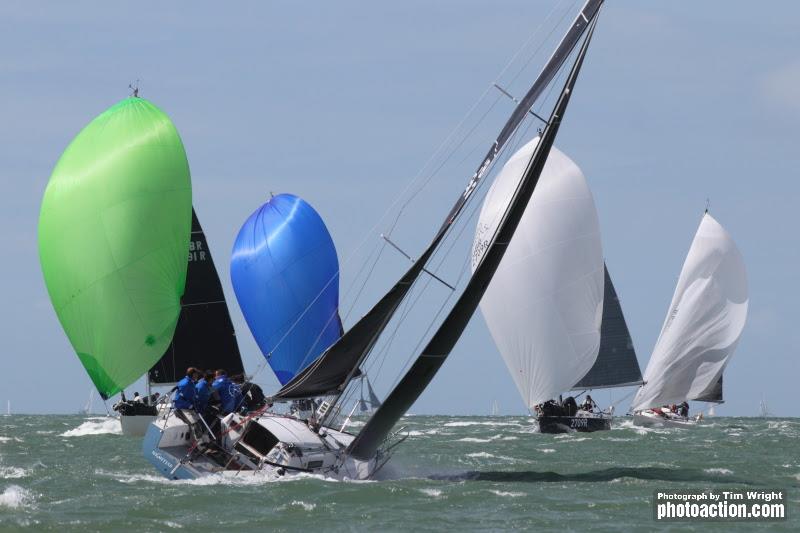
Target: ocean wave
x,y
12,472
464,423
721,471
507,494
477,439
547,450
14,497
95,426
435,493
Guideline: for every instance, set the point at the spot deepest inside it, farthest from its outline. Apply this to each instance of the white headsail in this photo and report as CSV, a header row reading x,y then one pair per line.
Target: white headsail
x,y
544,305
704,322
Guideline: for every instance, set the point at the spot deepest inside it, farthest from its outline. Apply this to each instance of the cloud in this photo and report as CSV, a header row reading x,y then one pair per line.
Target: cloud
x,y
779,89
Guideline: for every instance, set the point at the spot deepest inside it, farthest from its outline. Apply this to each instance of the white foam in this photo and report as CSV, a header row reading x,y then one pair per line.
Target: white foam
x,y
548,450
480,454
721,471
15,497
435,493
5,439
507,494
476,439
95,426
12,472
304,505
461,424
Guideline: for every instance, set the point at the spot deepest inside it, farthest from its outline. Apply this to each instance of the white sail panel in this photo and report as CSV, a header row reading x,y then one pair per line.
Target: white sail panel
x,y
704,322
544,305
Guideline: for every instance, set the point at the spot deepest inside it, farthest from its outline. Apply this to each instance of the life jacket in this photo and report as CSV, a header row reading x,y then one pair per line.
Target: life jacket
x,y
184,395
202,395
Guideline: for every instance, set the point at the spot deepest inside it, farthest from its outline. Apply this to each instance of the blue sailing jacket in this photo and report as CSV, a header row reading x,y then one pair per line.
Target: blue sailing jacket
x,y
184,396
202,395
229,394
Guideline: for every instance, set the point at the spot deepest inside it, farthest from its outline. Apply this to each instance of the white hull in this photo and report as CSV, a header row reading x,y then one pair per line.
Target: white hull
x,y
270,445
135,425
651,419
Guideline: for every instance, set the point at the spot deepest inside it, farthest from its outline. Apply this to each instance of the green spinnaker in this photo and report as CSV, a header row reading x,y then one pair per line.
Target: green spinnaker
x,y
113,233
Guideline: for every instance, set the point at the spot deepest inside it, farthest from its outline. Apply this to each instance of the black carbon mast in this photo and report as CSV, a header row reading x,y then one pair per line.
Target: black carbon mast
x,y
331,372
378,427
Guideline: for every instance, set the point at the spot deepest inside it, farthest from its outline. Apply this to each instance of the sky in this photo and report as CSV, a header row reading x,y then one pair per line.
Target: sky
x,y
344,103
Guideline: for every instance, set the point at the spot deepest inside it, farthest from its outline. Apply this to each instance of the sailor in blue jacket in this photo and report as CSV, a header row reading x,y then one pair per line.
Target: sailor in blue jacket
x,y
229,393
202,392
184,391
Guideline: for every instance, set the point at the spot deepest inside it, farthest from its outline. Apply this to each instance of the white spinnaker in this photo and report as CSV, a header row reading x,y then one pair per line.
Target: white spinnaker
x,y
704,322
544,305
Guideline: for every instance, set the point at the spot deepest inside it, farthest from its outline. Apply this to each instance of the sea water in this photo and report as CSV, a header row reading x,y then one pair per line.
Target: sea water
x,y
74,473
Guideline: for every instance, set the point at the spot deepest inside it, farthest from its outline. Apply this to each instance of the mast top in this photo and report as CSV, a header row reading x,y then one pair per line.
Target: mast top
x,y
134,87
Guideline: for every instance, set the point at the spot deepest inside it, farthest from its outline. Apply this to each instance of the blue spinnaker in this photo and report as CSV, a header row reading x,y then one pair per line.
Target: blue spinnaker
x,y
285,274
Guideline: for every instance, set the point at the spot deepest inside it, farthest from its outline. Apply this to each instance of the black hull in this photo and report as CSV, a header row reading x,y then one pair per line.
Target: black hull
x,y
569,424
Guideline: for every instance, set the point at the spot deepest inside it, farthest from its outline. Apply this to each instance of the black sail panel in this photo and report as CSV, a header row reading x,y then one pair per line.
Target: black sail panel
x,y
616,364
444,339
713,394
204,337
332,370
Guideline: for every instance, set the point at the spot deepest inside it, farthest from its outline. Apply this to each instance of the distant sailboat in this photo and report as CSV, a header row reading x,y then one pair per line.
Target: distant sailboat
x,y
8,408
763,410
701,331
552,308
87,408
495,408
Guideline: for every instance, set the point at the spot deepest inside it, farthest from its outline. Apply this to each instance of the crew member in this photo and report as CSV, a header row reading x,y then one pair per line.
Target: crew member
x,y
588,404
252,395
229,393
684,409
184,390
202,392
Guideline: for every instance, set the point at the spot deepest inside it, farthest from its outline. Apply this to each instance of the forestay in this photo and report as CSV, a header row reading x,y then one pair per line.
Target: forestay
x,y
544,304
704,323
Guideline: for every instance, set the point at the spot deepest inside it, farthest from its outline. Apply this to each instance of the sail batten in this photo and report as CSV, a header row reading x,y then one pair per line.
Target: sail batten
x,y
704,322
333,370
446,336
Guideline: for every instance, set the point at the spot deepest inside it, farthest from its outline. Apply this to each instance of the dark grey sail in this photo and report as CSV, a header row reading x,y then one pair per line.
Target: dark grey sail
x,y
332,371
713,394
616,364
204,337
444,339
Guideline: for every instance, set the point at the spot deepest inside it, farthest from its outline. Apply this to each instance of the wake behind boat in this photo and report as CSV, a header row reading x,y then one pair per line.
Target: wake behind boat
x,y
184,446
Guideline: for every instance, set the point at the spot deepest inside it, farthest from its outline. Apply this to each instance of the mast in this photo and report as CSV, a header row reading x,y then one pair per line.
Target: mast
x,y
441,344
332,371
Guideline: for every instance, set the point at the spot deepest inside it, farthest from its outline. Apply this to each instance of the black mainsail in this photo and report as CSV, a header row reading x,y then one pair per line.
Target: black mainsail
x,y
204,336
444,339
616,364
331,372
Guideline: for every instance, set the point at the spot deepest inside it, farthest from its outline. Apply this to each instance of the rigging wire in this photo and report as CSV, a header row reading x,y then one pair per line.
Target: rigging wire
x,y
440,150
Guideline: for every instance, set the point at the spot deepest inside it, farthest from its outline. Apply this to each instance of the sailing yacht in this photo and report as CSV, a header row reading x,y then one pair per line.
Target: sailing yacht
x,y
204,337
551,308
700,333
182,447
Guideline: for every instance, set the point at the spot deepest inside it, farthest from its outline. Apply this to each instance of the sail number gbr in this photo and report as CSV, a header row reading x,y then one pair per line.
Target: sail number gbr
x,y
196,251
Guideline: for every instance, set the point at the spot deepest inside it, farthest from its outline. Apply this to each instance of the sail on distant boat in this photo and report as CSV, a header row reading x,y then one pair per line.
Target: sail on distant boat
x,y
285,274
544,305
113,228
702,328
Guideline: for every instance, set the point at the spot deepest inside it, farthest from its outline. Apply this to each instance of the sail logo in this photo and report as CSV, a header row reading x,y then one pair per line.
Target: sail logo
x,y
196,251
480,246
